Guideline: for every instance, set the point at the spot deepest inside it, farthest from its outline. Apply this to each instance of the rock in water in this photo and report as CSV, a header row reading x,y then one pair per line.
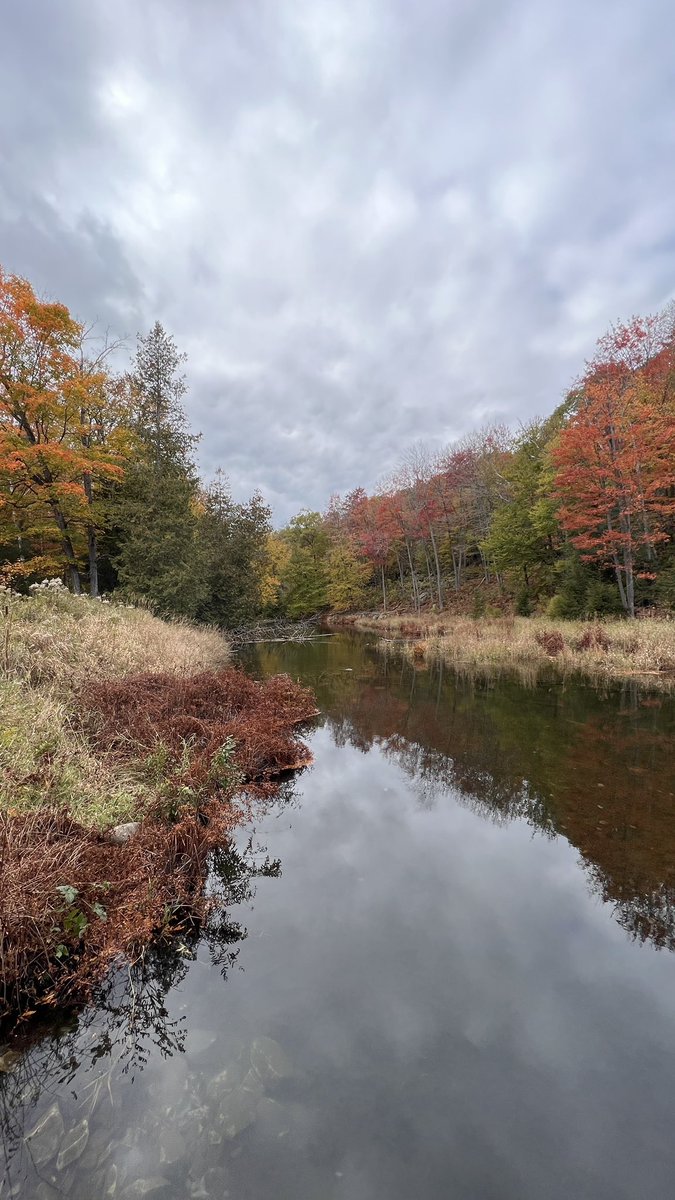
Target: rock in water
x,y
270,1061
274,1120
122,833
110,1182
225,1081
252,1083
154,1186
199,1041
44,1139
73,1145
238,1110
8,1061
172,1146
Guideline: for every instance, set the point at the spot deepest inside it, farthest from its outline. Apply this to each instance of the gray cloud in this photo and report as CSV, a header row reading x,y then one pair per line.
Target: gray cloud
x,y
366,222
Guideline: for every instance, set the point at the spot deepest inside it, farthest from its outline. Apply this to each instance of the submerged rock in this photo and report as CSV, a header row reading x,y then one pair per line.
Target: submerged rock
x,y
199,1041
8,1061
99,1148
270,1061
227,1079
252,1083
110,1183
274,1120
155,1186
237,1110
44,1139
172,1146
45,1191
73,1145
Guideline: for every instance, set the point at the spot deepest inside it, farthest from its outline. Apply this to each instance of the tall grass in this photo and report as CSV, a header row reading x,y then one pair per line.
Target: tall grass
x,y
52,646
107,713
612,649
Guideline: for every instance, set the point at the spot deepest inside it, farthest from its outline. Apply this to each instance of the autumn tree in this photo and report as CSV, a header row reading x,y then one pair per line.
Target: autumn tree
x,y
524,535
49,458
372,526
422,505
346,576
274,572
305,581
615,459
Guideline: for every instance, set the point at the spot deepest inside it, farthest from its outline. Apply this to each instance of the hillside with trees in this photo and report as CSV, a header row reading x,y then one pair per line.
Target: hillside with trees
x,y
98,484
572,515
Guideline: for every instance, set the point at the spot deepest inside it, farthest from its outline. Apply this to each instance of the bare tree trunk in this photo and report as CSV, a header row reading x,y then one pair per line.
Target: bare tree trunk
x,y
384,589
630,580
92,546
438,568
619,580
67,544
458,556
92,540
416,603
429,575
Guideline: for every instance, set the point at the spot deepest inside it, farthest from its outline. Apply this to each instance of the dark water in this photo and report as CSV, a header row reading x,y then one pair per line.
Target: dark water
x,y
446,970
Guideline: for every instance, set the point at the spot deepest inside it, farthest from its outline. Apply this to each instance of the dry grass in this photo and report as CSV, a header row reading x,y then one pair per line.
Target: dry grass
x,y
52,647
108,714
59,641
599,650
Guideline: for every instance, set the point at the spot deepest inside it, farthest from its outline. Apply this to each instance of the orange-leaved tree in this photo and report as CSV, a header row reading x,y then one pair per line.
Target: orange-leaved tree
x,y
52,444
615,460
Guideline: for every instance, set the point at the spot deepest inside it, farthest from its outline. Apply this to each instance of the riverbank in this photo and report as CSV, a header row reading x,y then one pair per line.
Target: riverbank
x,y
608,649
128,750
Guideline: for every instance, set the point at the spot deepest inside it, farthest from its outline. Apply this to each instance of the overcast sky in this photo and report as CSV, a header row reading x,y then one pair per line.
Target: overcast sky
x,y
366,221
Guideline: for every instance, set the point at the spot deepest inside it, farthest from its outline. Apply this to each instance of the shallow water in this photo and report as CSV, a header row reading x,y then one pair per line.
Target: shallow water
x,y
446,968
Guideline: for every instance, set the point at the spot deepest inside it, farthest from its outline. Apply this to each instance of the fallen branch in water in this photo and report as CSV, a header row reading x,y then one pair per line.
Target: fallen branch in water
x,y
276,631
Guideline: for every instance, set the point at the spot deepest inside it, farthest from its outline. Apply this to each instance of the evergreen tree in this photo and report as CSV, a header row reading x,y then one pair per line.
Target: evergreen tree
x,y
234,545
157,512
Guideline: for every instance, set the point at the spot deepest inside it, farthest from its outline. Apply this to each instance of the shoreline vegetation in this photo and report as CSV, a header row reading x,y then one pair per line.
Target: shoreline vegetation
x,y
597,650
129,750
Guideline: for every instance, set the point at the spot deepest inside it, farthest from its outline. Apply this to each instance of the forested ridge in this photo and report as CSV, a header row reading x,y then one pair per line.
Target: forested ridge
x,y
572,514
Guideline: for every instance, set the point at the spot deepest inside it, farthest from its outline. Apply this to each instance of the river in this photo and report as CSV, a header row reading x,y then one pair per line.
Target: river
x,y
445,969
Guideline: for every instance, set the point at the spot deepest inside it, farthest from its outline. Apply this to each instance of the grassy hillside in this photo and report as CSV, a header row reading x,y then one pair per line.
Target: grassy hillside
x,y
53,646
110,715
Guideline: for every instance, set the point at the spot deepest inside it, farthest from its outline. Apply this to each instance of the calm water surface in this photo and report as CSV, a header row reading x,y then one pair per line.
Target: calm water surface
x,y
445,971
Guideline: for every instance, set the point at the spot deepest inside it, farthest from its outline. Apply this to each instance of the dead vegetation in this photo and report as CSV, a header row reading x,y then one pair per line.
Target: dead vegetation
x,y
184,750
202,729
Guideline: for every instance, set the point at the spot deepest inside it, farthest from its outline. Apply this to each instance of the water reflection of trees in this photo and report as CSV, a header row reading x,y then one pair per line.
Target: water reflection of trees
x,y
85,1052
594,766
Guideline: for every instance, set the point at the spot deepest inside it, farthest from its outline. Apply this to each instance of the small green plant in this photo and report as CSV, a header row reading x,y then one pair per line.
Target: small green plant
x,y
158,763
223,770
74,919
478,605
523,603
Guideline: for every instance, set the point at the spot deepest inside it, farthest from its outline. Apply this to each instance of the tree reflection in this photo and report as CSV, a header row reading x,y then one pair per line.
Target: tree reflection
x,y
128,1019
593,765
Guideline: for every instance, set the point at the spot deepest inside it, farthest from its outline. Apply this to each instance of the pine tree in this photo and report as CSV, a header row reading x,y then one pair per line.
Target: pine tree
x,y
158,509
233,540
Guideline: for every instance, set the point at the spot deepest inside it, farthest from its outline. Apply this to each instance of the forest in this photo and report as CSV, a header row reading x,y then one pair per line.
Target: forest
x,y
571,515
